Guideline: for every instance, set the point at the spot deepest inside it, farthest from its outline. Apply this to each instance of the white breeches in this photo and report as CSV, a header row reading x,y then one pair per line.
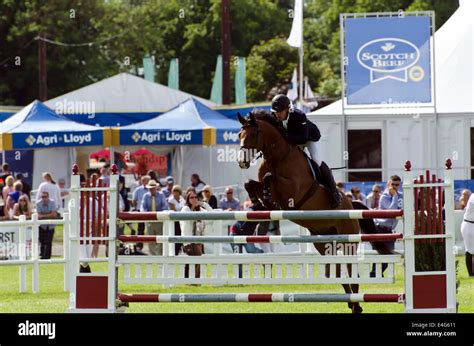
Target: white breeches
x,y
314,149
467,231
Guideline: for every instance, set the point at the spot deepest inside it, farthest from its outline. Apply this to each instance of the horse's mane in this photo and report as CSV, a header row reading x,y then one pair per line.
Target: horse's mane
x,y
266,116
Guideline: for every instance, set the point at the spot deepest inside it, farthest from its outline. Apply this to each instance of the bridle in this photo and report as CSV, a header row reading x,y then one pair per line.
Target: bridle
x,y
256,145
257,139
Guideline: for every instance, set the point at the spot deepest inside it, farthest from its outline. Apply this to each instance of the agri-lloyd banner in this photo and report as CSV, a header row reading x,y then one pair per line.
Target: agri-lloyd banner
x,y
50,140
227,137
144,137
388,60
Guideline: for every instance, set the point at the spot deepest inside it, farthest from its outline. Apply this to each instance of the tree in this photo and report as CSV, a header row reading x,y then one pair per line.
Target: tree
x,y
269,67
123,31
68,67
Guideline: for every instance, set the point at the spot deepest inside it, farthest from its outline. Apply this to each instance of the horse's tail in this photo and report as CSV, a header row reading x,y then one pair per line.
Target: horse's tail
x,y
367,226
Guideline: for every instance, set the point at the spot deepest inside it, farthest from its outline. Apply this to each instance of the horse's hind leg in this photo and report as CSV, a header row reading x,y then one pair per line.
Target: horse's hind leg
x,y
348,288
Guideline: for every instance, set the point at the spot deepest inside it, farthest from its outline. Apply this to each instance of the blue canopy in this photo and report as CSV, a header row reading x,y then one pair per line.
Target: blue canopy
x,y
191,122
38,126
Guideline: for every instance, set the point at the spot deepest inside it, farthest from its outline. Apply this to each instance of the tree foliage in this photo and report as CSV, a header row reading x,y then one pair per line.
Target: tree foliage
x,y
123,31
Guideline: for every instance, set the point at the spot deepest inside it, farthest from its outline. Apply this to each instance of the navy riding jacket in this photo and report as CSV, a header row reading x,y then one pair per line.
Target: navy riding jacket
x,y
299,129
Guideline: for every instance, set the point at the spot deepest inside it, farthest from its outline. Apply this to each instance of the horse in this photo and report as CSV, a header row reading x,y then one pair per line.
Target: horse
x,y
286,181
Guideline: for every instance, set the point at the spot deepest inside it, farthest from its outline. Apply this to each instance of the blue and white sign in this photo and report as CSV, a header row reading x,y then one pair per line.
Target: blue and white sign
x,y
388,60
163,137
52,139
228,137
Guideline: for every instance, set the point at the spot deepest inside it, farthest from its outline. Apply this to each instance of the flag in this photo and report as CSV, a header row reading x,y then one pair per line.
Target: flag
x,y
149,67
216,92
173,74
308,93
296,34
293,89
240,87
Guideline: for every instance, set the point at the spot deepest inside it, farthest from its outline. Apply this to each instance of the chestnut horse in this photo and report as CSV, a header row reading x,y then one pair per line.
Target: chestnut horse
x,y
286,182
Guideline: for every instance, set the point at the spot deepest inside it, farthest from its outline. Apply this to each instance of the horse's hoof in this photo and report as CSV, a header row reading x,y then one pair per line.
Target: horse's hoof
x,y
357,309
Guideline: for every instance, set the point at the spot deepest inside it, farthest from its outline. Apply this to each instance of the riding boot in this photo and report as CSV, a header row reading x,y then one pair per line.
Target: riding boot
x,y
328,181
469,264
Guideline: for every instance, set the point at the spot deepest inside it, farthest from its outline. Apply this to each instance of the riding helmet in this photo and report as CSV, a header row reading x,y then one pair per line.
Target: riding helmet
x,y
280,102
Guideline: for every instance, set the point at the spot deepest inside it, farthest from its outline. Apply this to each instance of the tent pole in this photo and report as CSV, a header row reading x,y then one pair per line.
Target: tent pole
x,y
112,156
210,166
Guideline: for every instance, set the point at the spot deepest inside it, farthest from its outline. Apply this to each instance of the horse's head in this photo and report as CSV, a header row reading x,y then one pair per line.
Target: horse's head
x,y
249,140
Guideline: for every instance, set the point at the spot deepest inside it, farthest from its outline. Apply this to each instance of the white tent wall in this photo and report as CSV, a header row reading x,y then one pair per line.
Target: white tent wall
x,y
454,142
331,144
57,161
402,139
208,163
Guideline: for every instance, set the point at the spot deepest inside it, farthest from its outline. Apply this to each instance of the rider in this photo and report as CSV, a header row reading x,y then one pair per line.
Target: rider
x,y
301,131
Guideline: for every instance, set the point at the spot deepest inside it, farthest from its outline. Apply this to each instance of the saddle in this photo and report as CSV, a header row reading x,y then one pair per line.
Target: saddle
x,y
313,166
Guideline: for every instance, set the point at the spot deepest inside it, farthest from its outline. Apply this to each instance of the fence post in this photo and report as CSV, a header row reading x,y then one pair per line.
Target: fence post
x,y
73,260
22,253
450,239
408,232
66,225
112,238
35,253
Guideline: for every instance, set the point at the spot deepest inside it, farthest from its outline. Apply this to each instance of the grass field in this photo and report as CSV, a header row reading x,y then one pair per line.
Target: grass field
x,y
52,298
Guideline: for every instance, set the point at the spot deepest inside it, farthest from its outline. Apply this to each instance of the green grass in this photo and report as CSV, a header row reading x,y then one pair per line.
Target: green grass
x,y
53,299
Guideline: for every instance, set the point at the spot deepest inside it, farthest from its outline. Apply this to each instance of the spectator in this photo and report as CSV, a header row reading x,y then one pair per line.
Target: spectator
x,y
193,228
15,195
176,202
62,187
197,183
208,197
189,189
49,185
153,176
104,176
26,187
138,193
348,196
373,199
46,209
340,186
229,202
154,200
467,231
390,199
8,208
162,184
169,186
137,198
23,207
123,194
123,202
245,228
8,188
463,199
357,195
5,172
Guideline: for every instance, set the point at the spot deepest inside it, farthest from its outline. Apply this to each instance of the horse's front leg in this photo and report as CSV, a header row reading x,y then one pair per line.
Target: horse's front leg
x,y
267,193
255,191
